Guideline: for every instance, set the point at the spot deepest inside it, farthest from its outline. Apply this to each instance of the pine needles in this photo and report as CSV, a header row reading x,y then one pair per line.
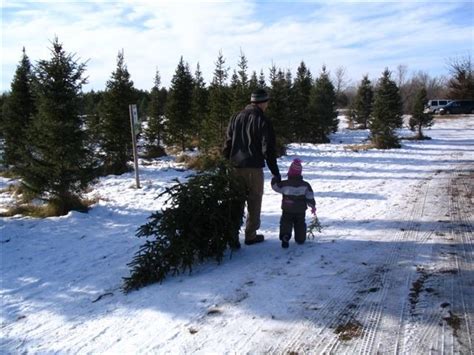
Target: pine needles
x,y
314,226
202,219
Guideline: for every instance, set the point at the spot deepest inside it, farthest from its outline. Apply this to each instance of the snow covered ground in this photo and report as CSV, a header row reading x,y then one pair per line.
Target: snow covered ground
x,y
392,270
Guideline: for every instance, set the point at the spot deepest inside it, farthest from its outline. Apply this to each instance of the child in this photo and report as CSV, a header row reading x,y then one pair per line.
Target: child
x,y
297,195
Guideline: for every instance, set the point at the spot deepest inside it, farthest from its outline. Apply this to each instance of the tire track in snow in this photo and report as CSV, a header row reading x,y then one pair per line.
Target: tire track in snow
x,y
370,313
413,323
414,332
461,212
363,305
424,326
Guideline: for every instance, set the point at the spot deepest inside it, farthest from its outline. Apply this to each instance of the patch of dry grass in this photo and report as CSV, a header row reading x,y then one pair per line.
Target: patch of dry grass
x,y
359,147
48,209
349,330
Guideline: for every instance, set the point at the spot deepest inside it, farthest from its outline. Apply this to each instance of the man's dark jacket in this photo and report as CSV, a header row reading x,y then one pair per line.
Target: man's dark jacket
x,y
250,140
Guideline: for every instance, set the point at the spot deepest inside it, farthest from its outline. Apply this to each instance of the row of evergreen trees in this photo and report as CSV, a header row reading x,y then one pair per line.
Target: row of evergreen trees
x,y
380,109
57,139
302,109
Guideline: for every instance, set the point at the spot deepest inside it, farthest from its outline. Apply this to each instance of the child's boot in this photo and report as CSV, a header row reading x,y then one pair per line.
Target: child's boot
x,y
285,241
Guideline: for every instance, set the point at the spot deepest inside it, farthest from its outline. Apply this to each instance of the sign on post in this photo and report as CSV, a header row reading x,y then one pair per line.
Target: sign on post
x,y
133,123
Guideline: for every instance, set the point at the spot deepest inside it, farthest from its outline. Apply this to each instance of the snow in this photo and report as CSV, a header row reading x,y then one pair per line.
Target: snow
x,y
391,271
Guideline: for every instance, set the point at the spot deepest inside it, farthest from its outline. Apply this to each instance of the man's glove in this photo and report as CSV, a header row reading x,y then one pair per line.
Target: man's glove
x,y
276,178
313,211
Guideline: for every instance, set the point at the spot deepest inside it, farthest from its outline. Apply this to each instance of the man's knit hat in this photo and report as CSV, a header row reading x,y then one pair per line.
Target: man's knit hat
x,y
295,168
259,95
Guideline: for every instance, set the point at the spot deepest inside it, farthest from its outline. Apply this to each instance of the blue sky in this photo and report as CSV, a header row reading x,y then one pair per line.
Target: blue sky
x,y
362,37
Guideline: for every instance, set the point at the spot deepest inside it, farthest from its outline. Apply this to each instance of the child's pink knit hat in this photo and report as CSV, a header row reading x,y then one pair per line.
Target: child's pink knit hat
x,y
295,168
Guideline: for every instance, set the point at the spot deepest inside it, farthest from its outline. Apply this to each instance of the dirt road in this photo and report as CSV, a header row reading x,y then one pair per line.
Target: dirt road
x,y
419,298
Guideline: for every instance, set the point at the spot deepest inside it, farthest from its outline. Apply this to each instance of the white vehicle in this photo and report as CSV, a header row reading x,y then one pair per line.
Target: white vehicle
x,y
433,106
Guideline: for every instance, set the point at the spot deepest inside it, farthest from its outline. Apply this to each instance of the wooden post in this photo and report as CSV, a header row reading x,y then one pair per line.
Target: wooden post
x,y
133,119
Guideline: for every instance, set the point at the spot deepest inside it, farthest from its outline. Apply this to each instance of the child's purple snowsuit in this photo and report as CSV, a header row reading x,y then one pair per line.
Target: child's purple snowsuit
x,y
297,195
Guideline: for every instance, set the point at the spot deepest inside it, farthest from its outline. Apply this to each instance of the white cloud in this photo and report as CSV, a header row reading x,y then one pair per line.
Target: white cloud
x,y
364,38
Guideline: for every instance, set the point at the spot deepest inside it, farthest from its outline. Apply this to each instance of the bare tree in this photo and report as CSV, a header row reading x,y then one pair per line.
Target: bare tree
x,y
341,80
435,88
401,75
461,83
401,80
340,85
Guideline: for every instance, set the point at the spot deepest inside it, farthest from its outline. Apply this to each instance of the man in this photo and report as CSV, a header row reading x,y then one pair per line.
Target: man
x,y
250,142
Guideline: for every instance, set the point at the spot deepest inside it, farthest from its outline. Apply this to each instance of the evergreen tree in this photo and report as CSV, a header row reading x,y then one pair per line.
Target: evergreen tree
x,y
322,110
201,222
18,109
179,125
386,114
3,98
143,99
362,105
90,103
253,82
58,163
261,80
279,109
115,119
216,123
289,123
420,118
155,128
300,119
234,90
200,104
240,85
